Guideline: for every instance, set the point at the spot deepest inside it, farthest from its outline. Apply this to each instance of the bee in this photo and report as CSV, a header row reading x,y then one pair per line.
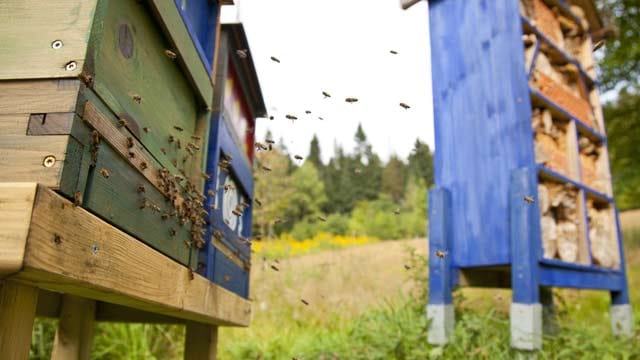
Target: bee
x,y
278,221
257,202
441,254
257,237
227,156
529,199
178,144
196,138
171,139
242,53
175,162
130,142
298,157
276,261
172,232
187,243
228,187
260,146
122,123
322,219
307,112
393,52
144,204
211,193
291,117
244,240
57,239
407,267
132,155
146,129
87,79
95,137
305,302
269,141
275,59
143,165
271,117
397,211
405,106
170,54
320,118
164,216
266,168
351,100
137,98
206,176
236,212
326,94
77,198
155,208
163,150
217,234
105,173
275,268
178,128
191,276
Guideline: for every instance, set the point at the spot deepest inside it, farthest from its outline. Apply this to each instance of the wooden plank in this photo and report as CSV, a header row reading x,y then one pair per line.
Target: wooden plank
x,y
95,260
38,96
584,257
16,204
29,29
174,26
116,199
14,124
233,257
75,329
51,124
148,89
572,151
22,158
17,311
201,342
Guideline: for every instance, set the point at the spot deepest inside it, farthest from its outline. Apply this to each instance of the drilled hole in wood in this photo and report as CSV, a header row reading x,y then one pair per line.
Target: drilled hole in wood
x,y
57,44
49,161
71,65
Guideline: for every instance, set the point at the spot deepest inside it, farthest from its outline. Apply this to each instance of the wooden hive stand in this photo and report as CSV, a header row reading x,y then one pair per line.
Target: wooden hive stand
x,y
59,260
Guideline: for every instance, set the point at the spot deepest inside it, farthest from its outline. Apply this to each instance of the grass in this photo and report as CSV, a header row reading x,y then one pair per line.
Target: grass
x,y
365,304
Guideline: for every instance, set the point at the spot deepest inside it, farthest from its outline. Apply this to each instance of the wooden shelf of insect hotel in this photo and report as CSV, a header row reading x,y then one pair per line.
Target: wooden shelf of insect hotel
x,y
106,116
524,197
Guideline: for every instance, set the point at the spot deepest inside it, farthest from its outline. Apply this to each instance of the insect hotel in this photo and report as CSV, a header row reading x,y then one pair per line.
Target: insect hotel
x,y
125,182
523,194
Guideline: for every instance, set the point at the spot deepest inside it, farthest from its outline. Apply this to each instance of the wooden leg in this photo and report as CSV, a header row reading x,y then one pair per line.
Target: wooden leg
x,y
201,342
17,311
75,330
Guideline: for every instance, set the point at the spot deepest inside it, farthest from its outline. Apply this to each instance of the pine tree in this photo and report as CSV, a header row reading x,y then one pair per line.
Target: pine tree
x,y
314,153
394,178
421,162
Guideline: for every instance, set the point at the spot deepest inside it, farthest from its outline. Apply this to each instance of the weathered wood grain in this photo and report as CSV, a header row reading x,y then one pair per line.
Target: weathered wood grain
x,y
75,330
201,342
14,124
17,311
16,204
38,96
22,158
51,124
29,28
95,260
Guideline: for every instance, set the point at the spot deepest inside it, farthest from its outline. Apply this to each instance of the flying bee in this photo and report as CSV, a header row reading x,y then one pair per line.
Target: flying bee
x,y
397,211
305,302
260,146
275,59
307,112
291,117
105,173
130,142
137,98
326,94
393,52
441,254
257,202
170,54
407,267
171,139
320,118
122,123
322,219
242,53
529,199
269,141
236,212
275,268
351,100
298,157
206,176
178,128
271,117
266,168
405,106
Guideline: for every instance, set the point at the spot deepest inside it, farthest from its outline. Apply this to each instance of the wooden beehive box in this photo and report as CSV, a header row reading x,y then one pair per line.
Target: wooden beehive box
x,y
109,103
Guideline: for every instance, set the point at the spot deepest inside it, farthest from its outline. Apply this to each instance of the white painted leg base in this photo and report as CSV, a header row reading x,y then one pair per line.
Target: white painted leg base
x,y
442,321
526,326
621,320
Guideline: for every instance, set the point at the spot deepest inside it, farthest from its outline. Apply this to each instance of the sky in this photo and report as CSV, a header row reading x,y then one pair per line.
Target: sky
x,y
341,47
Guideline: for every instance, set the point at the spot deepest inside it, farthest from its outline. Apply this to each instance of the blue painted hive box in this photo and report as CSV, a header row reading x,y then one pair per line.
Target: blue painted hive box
x,y
523,195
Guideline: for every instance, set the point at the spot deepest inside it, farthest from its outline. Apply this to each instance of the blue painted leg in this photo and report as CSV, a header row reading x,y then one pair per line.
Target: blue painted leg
x,y
526,310
440,307
621,311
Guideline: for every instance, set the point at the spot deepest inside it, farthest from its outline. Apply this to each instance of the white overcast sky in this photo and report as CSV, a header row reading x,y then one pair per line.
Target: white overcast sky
x,y
342,47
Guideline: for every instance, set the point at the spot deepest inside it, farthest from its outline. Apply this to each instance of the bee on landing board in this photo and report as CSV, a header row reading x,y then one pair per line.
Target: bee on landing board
x,y
441,254
529,199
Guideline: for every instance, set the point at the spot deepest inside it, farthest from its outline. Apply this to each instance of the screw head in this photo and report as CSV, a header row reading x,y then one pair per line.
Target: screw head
x,y
57,44
71,65
49,161
94,249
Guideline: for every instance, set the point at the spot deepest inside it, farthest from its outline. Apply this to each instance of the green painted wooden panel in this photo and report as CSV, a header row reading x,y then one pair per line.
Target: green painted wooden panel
x,y
116,199
138,82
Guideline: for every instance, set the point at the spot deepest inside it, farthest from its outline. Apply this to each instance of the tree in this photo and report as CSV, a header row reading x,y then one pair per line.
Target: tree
x,y
421,162
314,153
308,195
394,178
272,188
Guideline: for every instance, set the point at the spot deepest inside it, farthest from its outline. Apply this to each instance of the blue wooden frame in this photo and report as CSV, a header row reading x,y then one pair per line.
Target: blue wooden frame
x,y
485,163
201,19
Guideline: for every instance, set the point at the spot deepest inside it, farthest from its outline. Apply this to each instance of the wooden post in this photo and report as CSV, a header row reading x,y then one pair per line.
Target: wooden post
x,y
75,330
201,342
17,311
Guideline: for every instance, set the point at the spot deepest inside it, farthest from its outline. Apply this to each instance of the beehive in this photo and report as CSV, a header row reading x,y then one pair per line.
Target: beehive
x,y
523,194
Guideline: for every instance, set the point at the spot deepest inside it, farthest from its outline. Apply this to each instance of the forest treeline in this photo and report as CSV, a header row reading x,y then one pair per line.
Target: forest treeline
x,y
355,193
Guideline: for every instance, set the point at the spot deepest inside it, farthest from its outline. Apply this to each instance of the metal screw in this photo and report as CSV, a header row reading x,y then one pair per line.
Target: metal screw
x,y
57,44
49,161
94,249
71,65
